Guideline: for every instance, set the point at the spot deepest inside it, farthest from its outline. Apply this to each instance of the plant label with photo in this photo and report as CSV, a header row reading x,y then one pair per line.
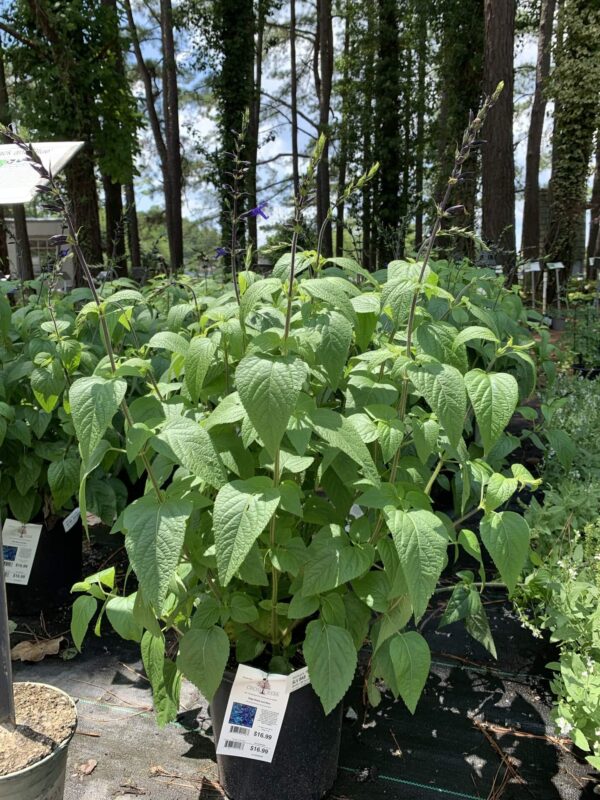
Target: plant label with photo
x,y
19,545
255,712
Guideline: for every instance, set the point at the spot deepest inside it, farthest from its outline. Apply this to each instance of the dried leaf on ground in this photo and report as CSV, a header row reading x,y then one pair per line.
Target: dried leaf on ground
x,y
36,649
87,767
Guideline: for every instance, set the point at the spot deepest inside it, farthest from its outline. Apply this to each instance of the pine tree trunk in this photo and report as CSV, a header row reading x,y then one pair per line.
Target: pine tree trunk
x,y
420,144
498,166
343,147
294,99
253,129
173,174
133,231
530,240
4,264
323,86
115,226
593,249
83,195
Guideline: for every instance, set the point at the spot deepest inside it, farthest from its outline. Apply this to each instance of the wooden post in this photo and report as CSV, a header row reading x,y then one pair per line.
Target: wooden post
x,y
7,700
544,290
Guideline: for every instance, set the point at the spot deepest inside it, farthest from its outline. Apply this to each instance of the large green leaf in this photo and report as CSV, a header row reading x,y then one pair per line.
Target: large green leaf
x,y
94,401
334,561
167,340
203,654
465,604
63,479
269,388
154,538
340,432
260,290
331,659
330,292
119,611
82,612
438,339
188,444
421,542
197,362
506,537
404,661
242,511
334,344
164,678
443,388
494,397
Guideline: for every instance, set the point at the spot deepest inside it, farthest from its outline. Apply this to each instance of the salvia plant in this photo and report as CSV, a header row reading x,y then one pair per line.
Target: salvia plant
x,y
293,437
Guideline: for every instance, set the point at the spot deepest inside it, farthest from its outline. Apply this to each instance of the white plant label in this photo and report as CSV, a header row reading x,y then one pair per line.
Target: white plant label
x,y
69,521
19,545
255,712
18,179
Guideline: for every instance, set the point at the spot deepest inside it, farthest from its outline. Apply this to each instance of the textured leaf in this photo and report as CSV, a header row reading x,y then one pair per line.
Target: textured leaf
x,y
82,612
203,655
260,290
167,340
329,292
499,490
94,401
443,388
63,479
269,389
340,432
334,344
506,537
465,604
197,361
154,539
164,677
331,658
421,542
494,397
119,611
242,511
404,661
190,445
474,332
438,339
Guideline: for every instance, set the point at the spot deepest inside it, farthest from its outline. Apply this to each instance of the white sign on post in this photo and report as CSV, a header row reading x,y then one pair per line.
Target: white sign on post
x,y
19,544
18,179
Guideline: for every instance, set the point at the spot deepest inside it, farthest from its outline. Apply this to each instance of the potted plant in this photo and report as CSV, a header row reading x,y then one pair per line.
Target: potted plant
x,y
288,514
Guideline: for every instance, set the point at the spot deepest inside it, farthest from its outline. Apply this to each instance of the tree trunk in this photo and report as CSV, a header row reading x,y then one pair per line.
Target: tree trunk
x,y
24,262
323,86
420,144
498,166
367,125
593,249
4,264
83,194
388,142
294,99
133,231
343,151
253,129
530,240
172,139
115,226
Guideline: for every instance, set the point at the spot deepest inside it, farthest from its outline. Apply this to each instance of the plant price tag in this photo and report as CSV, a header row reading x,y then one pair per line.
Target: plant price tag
x,y
255,712
69,521
19,544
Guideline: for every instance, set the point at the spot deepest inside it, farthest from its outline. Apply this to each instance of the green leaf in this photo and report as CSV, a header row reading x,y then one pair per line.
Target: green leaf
x,y
438,339
242,511
261,290
334,343
203,655
506,537
421,542
137,436
197,362
154,539
242,608
404,662
499,490
190,445
63,479
563,446
443,388
333,562
164,677
119,611
82,612
94,401
331,659
465,604
331,293
269,388
340,432
167,340
474,332
494,397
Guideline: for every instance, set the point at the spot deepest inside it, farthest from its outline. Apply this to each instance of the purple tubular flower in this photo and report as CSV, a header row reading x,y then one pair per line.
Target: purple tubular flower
x,y
221,252
259,210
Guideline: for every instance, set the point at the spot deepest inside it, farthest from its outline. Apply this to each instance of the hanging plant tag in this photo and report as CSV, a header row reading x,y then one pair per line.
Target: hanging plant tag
x,y
255,712
19,545
69,521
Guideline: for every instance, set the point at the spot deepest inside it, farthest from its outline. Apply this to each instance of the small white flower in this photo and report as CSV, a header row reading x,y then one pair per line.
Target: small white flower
x,y
564,726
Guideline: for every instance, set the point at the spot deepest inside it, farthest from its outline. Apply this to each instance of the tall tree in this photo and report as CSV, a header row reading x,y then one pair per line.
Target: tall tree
x,y
421,100
24,261
132,227
254,123
388,144
344,135
530,241
498,164
294,99
593,250
323,74
575,87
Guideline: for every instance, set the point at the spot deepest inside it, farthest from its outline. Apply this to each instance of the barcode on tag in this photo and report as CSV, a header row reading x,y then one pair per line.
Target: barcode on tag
x,y
234,745
237,729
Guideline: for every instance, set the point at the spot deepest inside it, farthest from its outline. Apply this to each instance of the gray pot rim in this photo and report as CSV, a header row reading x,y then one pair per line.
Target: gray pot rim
x,y
62,746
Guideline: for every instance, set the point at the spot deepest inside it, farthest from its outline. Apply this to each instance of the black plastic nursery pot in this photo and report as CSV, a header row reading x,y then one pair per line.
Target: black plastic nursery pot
x,y
591,373
558,323
305,762
56,567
